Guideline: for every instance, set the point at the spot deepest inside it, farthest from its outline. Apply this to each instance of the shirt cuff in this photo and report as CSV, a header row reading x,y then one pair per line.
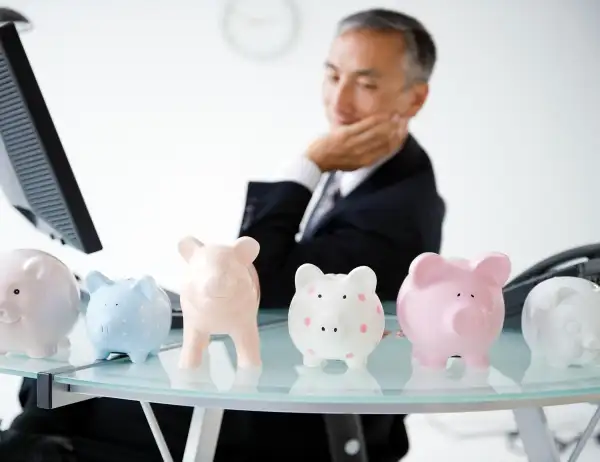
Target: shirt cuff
x,y
303,171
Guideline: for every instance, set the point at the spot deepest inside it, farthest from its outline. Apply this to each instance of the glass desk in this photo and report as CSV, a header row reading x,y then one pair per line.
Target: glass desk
x,y
389,385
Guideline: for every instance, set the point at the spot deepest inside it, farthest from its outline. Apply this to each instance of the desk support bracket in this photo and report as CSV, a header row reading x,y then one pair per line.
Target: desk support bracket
x,y
51,395
538,442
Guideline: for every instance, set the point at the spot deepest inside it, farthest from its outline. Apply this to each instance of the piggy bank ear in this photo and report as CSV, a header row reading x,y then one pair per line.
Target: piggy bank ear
x,y
428,268
495,267
364,277
246,249
95,280
562,294
306,274
188,246
146,286
34,267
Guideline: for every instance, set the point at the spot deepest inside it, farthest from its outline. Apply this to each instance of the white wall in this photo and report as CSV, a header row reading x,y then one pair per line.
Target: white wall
x,y
145,91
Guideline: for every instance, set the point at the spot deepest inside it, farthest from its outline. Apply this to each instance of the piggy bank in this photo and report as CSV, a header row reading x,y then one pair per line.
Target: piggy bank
x,y
453,307
129,316
335,316
561,322
39,303
220,295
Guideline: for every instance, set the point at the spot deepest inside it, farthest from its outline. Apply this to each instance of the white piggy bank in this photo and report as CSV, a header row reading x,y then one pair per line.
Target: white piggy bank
x,y
561,322
39,303
335,316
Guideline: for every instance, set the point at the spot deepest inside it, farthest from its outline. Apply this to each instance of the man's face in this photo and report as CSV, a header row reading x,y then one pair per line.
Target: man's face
x,y
365,75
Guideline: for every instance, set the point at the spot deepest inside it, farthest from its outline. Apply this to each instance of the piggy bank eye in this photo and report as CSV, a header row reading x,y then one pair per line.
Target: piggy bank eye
x,y
458,295
344,297
472,296
320,296
16,291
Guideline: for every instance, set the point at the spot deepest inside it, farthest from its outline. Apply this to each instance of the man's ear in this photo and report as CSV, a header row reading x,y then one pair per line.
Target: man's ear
x,y
417,95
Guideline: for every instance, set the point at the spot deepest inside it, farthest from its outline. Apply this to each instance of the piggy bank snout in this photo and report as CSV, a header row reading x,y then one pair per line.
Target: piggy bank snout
x,y
331,324
220,285
468,320
9,313
107,316
591,342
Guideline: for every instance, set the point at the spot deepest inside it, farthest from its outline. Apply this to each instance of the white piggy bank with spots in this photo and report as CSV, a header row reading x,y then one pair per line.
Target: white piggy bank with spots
x,y
335,316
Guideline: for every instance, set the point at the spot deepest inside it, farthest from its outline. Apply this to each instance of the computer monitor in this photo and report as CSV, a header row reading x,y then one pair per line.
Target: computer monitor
x,y
35,174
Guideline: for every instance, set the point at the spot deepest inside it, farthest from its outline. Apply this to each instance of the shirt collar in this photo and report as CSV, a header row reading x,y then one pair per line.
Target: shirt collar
x,y
349,181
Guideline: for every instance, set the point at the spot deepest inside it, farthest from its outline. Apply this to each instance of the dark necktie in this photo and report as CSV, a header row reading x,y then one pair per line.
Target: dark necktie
x,y
329,197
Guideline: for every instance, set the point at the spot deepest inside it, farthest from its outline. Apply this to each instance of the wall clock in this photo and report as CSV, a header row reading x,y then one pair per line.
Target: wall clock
x,y
261,29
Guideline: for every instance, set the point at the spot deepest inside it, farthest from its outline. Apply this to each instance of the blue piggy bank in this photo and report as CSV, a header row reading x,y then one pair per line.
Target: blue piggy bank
x,y
127,316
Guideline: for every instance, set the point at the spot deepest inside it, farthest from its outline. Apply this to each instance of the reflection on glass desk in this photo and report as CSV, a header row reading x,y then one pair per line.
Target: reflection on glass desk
x,y
390,384
81,353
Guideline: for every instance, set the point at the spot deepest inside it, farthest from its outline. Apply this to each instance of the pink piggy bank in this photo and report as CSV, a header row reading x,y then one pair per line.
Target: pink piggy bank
x,y
220,295
39,303
453,307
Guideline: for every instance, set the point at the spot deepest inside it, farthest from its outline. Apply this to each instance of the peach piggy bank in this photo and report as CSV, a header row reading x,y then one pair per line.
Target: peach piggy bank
x,y
453,307
39,303
220,295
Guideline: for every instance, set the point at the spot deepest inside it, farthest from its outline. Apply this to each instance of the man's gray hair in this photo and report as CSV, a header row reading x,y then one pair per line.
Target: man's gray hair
x,y
420,49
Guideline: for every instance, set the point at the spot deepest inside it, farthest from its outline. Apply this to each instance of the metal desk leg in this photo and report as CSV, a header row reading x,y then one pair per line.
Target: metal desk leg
x,y
538,442
156,432
346,438
203,436
585,436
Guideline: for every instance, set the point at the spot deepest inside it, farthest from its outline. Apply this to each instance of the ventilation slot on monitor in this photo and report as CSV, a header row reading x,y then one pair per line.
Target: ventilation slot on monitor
x,y
28,158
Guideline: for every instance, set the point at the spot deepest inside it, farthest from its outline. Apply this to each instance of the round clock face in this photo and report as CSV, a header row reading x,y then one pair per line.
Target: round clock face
x,y
260,29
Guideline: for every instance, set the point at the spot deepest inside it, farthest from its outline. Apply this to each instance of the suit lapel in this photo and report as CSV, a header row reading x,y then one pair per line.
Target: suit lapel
x,y
407,162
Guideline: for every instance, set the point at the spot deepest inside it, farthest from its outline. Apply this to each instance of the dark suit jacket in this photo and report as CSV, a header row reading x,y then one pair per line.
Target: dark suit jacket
x,y
388,220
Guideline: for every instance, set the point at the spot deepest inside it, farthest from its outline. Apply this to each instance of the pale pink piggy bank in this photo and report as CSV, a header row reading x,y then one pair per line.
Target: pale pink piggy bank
x,y
39,303
335,316
220,295
453,307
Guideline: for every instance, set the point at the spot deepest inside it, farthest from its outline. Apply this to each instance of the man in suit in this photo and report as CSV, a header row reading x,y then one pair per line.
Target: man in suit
x,y
377,204
363,194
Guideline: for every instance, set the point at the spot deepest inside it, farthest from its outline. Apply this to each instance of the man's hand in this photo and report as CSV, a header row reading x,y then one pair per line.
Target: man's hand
x,y
351,147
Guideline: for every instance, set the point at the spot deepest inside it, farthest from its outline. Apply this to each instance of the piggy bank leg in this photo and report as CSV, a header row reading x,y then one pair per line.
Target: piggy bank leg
x,y
194,344
477,360
310,359
433,360
64,344
558,359
356,362
101,354
138,357
247,345
41,351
